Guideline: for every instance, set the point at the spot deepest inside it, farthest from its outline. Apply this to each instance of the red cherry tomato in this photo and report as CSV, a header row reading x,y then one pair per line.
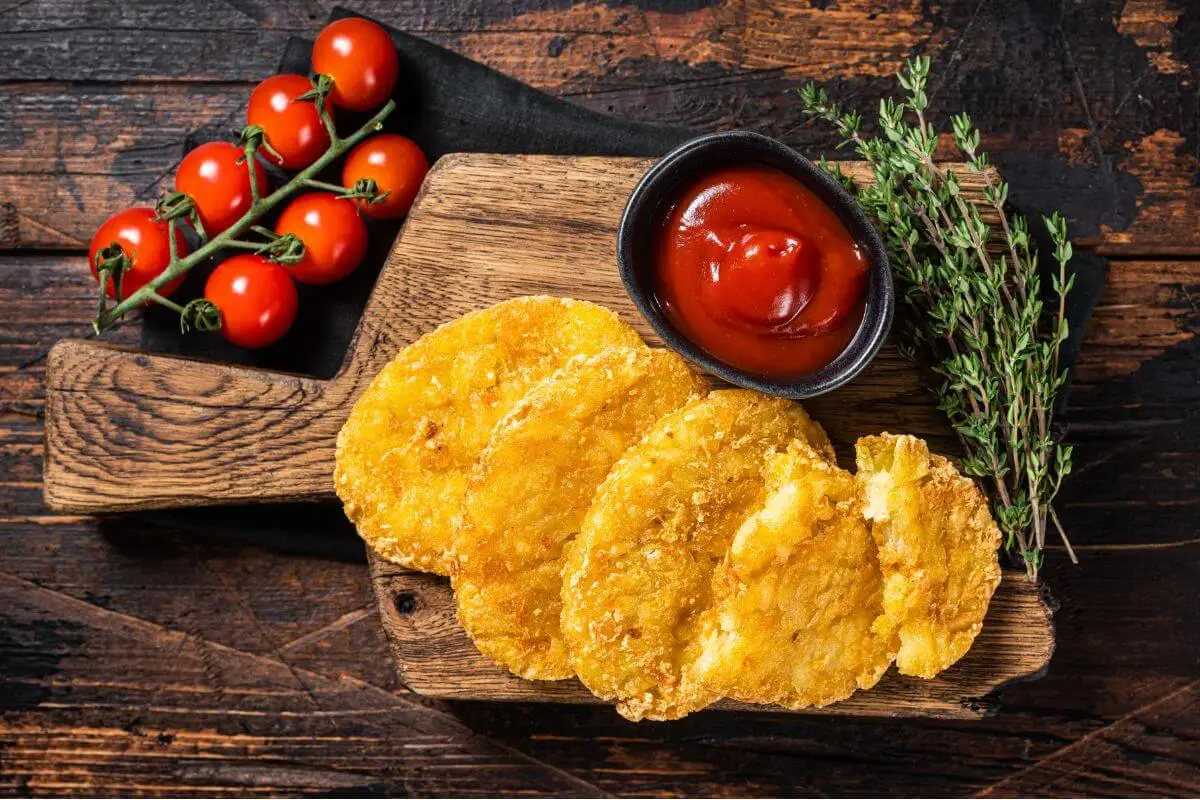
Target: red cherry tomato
x,y
334,236
257,299
218,185
144,242
293,127
361,58
396,165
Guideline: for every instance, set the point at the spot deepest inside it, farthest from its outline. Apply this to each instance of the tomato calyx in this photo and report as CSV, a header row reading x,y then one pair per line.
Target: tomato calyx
x,y
397,167
366,190
322,86
286,249
200,314
111,263
318,95
252,139
178,205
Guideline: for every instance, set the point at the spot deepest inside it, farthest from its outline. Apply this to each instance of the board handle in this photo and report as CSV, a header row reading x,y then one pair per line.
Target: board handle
x,y
128,431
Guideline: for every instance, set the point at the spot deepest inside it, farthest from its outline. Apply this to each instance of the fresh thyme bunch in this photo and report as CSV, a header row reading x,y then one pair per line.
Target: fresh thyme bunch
x,y
978,316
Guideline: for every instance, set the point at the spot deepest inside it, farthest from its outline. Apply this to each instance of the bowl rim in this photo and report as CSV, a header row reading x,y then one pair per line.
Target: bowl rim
x,y
663,178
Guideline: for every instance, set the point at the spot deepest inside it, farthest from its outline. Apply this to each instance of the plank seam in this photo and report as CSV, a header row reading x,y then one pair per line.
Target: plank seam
x,y
127,624
1087,737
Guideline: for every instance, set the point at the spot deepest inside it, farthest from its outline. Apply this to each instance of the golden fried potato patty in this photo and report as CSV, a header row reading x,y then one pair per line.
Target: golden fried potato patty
x,y
534,482
405,452
937,550
800,590
637,580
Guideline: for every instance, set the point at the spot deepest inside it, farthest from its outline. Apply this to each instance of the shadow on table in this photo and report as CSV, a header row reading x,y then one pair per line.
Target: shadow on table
x,y
313,529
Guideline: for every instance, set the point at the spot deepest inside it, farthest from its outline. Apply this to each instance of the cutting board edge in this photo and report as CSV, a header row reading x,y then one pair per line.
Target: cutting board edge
x,y
510,689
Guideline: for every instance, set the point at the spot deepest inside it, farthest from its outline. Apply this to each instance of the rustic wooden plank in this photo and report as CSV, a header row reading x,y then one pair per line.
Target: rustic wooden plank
x,y
1134,415
1149,752
1147,309
113,705
772,754
187,579
1132,408
1091,113
71,156
209,434
545,46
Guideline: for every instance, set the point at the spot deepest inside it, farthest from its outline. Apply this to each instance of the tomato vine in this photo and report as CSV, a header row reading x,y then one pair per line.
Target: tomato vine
x,y
202,314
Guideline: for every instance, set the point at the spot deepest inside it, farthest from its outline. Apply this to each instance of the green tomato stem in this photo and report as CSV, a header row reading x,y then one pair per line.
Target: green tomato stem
x,y
325,187
162,301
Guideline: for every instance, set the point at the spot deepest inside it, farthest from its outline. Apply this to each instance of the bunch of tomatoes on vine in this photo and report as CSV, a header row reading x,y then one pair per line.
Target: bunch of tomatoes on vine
x,y
222,189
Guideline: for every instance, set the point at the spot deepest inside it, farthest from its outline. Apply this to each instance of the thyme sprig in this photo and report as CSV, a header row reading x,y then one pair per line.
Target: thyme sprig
x,y
977,316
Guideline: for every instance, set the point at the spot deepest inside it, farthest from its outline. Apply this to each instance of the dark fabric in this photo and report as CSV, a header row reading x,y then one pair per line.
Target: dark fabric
x,y
449,104
446,103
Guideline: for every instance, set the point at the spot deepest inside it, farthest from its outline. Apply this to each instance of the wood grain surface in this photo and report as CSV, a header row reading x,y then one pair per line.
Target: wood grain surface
x,y
1088,106
239,651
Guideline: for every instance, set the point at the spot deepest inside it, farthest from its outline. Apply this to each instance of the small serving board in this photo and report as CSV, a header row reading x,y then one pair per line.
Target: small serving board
x,y
127,430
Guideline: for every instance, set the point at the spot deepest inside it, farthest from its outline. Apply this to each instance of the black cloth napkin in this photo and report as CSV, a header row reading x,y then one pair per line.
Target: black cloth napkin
x,y
446,103
449,104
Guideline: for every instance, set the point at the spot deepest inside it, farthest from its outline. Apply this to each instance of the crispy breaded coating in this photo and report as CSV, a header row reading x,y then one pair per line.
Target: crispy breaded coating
x,y
800,590
405,452
937,549
531,487
637,581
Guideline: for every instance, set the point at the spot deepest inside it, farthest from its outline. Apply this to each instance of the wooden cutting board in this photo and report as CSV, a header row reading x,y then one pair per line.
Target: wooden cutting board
x,y
127,430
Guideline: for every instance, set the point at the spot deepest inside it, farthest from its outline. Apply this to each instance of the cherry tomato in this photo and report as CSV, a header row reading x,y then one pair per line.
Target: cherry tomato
x,y
361,58
396,165
293,127
334,236
218,185
144,242
257,299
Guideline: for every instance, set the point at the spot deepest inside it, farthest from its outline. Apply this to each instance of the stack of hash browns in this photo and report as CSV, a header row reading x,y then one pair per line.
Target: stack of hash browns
x,y
602,515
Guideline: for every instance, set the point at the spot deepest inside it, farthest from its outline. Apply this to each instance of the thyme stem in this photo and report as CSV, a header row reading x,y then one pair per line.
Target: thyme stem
x,y
976,316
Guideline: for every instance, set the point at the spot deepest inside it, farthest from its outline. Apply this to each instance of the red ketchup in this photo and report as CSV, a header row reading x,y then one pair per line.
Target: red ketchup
x,y
755,269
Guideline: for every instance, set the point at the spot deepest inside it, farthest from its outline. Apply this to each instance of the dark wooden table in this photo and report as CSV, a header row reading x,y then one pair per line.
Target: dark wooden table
x,y
209,654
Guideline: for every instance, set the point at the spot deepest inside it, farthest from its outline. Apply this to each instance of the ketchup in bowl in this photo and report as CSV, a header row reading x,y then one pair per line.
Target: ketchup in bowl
x,y
758,272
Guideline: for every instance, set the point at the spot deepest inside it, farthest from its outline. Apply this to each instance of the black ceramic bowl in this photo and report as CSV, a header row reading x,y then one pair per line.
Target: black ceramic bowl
x,y
644,215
